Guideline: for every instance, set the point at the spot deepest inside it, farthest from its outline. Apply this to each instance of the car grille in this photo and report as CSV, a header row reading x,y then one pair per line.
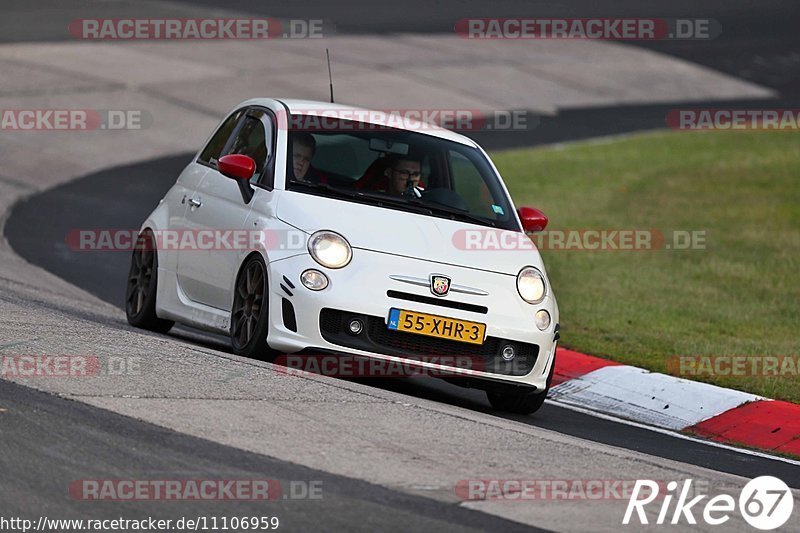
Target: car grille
x,y
377,338
437,301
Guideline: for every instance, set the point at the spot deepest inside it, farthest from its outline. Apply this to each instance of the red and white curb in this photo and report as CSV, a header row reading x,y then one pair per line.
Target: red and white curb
x,y
668,402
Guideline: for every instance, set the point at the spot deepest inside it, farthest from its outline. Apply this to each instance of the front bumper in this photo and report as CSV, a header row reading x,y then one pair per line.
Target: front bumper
x,y
302,319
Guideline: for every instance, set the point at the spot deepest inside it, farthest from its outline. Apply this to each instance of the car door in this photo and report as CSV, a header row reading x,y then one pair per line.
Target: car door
x,y
206,160
217,214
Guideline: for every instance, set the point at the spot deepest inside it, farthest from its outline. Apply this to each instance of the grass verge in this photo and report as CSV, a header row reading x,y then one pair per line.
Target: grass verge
x,y
737,296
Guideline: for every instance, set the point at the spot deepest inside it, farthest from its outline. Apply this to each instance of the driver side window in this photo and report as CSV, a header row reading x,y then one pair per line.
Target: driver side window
x,y
253,138
213,150
248,132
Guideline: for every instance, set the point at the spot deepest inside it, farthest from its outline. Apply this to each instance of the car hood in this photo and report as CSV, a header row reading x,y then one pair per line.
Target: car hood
x,y
410,234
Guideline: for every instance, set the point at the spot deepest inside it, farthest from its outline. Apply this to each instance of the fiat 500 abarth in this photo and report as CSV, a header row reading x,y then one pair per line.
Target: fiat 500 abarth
x,y
373,244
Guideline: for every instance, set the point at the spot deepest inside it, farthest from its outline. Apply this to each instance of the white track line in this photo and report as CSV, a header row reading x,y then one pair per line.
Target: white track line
x,y
676,434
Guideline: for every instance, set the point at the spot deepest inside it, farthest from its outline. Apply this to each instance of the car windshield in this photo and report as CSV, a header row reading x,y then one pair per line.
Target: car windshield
x,y
395,169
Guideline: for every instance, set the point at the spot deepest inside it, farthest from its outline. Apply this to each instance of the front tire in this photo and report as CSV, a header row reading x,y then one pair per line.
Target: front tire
x,y
140,295
250,312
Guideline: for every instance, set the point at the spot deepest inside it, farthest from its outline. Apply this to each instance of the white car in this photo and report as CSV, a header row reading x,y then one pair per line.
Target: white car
x,y
368,228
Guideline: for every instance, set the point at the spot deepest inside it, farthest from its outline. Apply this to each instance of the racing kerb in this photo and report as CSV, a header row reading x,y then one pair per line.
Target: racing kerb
x,y
691,407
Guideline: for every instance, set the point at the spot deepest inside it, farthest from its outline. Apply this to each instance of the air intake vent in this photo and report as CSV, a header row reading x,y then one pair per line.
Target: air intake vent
x,y
437,301
289,319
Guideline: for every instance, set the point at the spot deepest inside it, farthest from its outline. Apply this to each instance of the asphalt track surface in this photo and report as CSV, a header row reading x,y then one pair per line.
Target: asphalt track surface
x,y
57,442
120,198
759,40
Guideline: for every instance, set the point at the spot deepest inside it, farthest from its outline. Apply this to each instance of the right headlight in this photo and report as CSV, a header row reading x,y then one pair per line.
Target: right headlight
x,y
531,285
330,249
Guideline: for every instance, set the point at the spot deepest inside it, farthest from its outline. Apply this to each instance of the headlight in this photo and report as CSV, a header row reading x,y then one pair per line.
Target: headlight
x,y
330,249
530,285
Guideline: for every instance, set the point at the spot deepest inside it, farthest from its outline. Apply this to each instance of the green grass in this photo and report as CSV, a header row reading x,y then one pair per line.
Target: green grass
x,y
739,296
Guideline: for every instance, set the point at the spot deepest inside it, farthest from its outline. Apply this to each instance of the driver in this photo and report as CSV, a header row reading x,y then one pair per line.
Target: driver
x,y
303,147
403,173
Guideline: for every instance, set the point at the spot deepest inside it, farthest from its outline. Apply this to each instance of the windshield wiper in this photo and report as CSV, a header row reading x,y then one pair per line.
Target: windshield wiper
x,y
454,211
360,195
432,208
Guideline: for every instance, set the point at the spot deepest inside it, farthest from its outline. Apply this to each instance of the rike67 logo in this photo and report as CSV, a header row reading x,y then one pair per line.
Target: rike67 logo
x,y
765,503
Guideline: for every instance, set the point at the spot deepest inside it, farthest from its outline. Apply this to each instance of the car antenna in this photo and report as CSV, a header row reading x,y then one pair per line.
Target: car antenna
x,y
330,76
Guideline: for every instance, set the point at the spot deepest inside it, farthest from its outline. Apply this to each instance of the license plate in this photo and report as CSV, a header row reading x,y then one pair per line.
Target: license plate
x,y
436,326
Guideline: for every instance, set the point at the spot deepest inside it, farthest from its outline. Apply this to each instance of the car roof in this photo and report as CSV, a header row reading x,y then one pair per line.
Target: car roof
x,y
385,117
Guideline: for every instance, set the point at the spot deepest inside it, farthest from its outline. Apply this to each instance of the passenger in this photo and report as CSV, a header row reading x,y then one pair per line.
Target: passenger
x,y
403,172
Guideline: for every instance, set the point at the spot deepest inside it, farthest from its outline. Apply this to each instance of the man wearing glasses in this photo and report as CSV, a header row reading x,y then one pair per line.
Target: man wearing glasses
x,y
403,172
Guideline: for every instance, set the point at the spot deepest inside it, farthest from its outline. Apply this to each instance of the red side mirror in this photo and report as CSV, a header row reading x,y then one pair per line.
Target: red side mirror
x,y
532,219
237,166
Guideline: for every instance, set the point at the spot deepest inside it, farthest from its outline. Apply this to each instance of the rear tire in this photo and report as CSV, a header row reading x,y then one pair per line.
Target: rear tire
x,y
513,400
140,295
250,312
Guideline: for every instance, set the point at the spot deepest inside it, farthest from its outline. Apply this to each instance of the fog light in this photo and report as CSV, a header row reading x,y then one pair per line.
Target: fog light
x,y
508,352
314,280
356,326
542,319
